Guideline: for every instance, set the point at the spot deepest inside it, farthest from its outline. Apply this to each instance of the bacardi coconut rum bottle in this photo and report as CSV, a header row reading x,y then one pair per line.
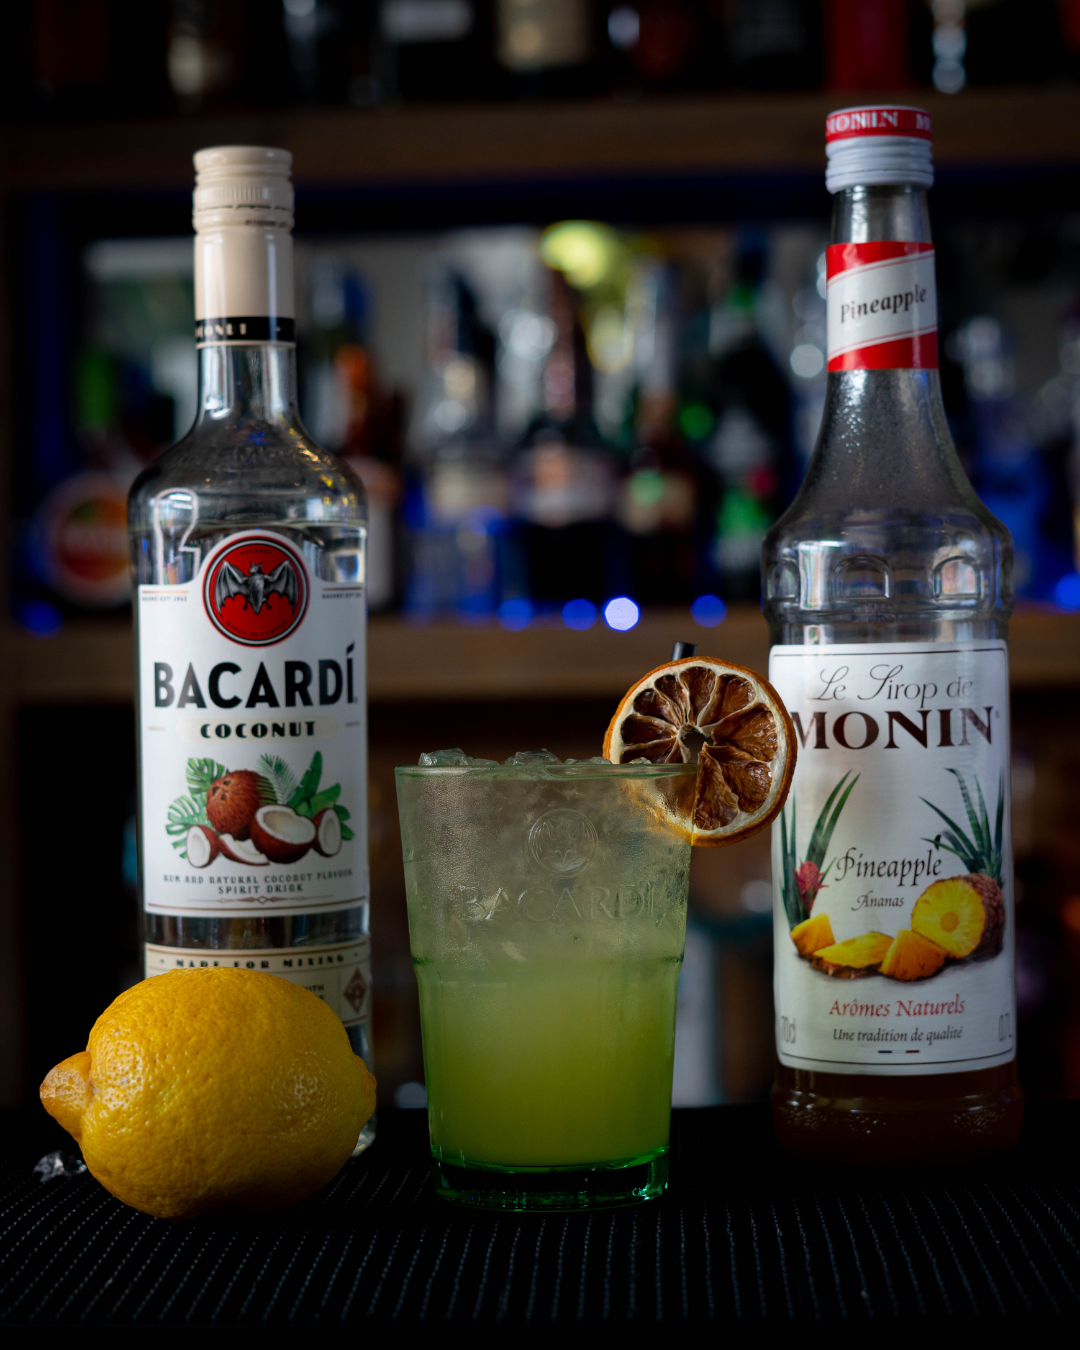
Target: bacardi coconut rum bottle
x,y
248,551
888,590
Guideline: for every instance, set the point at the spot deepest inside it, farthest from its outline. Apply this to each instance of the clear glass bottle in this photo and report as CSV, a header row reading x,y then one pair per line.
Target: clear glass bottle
x,y
886,572
248,482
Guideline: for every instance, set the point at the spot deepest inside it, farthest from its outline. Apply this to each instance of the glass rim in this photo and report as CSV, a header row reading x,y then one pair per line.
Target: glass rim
x,y
581,770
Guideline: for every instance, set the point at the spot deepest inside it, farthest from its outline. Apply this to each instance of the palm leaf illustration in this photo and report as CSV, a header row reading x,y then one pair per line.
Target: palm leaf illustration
x,y
820,838
981,849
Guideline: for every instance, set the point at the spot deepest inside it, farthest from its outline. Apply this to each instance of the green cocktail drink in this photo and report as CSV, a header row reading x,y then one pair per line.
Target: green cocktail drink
x,y
547,917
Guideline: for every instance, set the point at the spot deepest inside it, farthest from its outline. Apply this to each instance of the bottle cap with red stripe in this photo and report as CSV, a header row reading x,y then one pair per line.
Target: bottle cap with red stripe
x,y
877,144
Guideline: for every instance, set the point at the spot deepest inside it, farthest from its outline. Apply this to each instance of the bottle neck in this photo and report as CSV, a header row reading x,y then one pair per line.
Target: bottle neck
x,y
866,215
883,416
247,386
244,323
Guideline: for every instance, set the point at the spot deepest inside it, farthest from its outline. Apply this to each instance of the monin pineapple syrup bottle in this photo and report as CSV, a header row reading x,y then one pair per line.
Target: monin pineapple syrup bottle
x,y
248,554
888,591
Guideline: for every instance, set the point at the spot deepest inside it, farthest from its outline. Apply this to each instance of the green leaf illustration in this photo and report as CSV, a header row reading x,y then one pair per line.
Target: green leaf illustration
x,y
309,784
323,799
981,850
820,838
823,830
183,813
790,892
202,772
280,777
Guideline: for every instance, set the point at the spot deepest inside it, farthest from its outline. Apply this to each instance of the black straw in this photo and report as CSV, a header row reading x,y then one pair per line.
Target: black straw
x,y
683,649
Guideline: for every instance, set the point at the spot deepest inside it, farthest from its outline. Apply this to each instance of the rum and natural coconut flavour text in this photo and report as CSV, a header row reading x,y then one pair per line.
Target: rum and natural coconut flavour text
x,y
888,590
249,557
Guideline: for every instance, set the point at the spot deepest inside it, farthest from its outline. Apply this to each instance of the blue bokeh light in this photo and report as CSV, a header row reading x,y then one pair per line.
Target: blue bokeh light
x,y
708,610
1067,591
579,614
621,613
515,614
41,618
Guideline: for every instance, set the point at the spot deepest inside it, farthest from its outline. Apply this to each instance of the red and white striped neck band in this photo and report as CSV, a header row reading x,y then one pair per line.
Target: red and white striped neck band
x,y
876,146
881,306
877,121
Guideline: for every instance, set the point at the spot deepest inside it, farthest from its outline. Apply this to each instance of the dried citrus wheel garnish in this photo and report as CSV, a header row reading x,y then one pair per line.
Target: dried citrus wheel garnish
x,y
726,719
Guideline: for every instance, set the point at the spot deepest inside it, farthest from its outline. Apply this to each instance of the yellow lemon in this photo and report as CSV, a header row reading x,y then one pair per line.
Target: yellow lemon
x,y
213,1089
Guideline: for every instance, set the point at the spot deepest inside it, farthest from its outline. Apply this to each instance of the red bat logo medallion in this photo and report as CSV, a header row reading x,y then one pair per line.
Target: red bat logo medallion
x,y
256,591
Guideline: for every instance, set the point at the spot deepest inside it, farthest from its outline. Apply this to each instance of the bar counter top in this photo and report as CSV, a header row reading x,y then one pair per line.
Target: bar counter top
x,y
743,1237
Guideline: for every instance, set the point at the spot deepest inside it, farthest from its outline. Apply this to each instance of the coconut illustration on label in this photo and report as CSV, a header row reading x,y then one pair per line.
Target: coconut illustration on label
x,y
256,818
959,918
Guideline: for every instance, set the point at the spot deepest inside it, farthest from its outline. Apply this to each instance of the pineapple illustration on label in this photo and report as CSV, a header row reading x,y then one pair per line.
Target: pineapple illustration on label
x,y
902,888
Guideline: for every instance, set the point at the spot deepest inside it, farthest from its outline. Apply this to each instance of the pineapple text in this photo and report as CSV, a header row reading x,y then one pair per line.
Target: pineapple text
x,y
904,871
899,303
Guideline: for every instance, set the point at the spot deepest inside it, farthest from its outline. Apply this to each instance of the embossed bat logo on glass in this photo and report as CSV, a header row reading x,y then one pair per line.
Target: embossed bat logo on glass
x,y
257,587
562,841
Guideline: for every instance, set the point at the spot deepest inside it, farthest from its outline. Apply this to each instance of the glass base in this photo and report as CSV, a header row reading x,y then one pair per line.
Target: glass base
x,y
366,1137
553,1189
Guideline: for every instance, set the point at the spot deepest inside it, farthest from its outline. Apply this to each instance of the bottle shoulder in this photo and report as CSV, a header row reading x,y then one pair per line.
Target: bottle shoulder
x,y
886,527
270,467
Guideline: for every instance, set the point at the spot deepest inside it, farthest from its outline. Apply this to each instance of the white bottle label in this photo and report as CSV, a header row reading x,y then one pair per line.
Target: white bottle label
x,y
892,862
881,306
253,737
338,973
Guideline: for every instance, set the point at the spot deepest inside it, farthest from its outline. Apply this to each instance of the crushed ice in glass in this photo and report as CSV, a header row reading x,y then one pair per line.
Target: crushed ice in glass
x,y
453,759
531,762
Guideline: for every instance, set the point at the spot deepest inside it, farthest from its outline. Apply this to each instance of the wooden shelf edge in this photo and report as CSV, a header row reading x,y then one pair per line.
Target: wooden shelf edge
x,y
90,662
655,137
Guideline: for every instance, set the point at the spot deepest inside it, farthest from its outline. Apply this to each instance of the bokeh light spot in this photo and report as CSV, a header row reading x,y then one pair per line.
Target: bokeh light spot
x,y
621,613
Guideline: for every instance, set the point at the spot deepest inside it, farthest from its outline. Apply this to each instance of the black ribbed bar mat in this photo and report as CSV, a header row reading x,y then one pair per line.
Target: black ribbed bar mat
x,y
743,1236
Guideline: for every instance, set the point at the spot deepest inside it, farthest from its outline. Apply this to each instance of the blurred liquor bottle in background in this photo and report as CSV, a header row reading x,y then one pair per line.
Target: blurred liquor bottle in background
x,y
206,51
773,44
750,448
660,491
562,480
275,52
1069,11
663,44
436,49
868,44
1008,466
100,414
348,411
547,47
331,48
1013,41
455,511
80,58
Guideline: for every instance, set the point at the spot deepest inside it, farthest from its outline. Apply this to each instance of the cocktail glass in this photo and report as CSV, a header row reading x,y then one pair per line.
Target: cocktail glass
x,y
547,917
